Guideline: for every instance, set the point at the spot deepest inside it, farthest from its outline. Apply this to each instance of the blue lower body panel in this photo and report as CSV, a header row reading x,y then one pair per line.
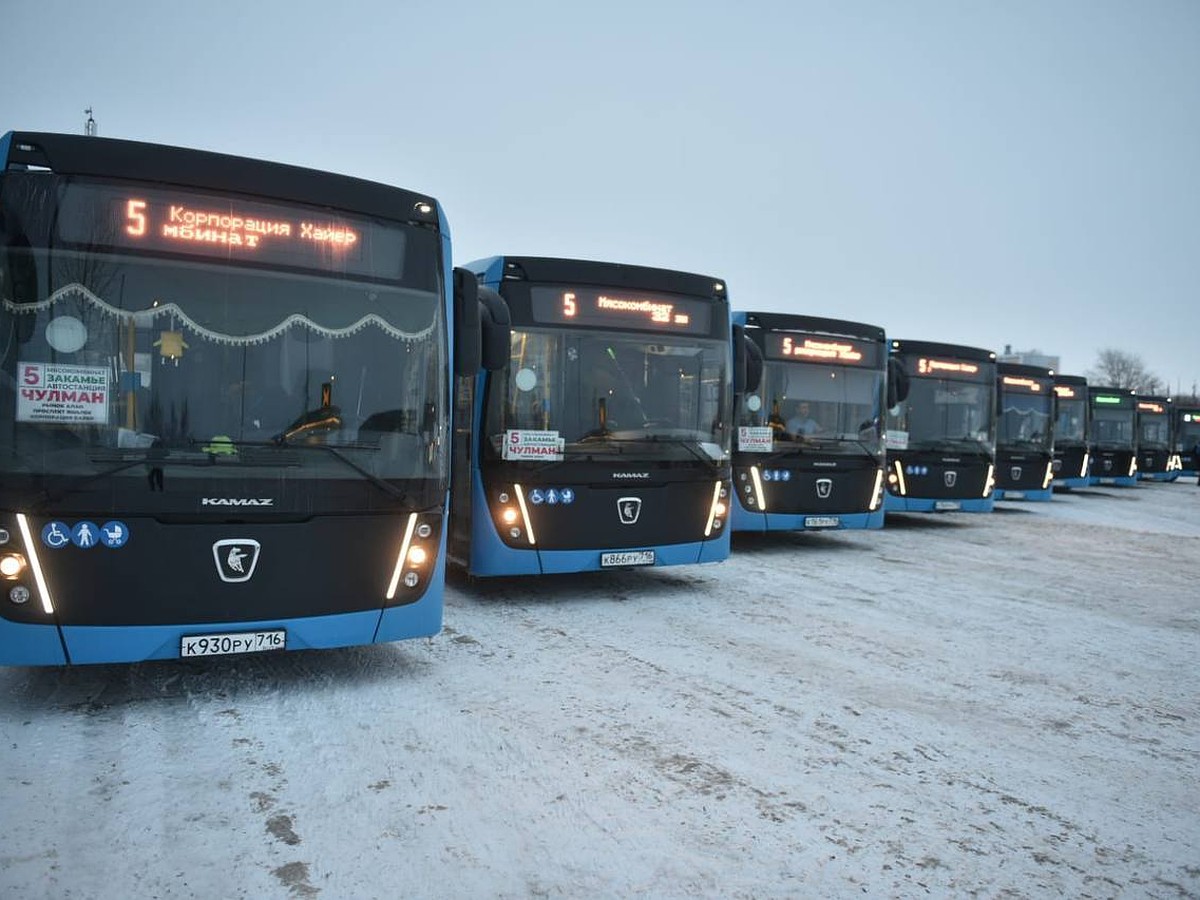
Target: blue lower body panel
x,y
1157,476
131,643
743,519
566,561
892,503
1072,482
39,645
1040,494
24,644
1119,481
107,644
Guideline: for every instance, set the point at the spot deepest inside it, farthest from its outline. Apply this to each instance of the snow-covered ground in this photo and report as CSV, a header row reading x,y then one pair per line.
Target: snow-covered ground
x,y
1003,704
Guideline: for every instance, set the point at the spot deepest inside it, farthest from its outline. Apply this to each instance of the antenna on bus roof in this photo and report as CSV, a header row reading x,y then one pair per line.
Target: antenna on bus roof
x,y
89,127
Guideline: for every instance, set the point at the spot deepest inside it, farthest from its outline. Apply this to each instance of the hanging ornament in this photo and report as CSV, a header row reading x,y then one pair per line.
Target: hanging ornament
x,y
170,346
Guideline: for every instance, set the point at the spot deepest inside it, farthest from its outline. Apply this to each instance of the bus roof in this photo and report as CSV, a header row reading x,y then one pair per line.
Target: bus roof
x,y
72,154
1007,368
934,348
1077,380
582,271
775,321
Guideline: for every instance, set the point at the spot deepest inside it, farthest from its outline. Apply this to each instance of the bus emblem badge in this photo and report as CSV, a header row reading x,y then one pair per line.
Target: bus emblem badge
x,y
824,488
950,477
236,559
1016,473
629,508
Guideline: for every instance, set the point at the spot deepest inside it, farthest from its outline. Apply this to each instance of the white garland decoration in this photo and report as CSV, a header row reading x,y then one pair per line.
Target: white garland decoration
x,y
146,317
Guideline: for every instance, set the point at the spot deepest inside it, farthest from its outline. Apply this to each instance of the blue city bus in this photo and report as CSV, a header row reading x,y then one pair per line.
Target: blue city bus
x,y
604,440
224,405
1113,419
1187,438
809,447
941,439
1158,460
1024,432
1072,442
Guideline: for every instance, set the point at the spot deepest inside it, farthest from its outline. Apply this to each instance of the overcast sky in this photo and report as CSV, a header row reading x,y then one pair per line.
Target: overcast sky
x,y
1023,173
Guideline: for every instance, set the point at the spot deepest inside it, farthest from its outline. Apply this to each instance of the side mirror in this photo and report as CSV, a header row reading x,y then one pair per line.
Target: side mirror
x,y
497,331
747,362
467,326
739,359
754,366
897,382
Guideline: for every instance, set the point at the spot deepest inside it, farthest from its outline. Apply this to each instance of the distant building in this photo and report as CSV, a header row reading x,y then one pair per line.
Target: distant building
x,y
1028,358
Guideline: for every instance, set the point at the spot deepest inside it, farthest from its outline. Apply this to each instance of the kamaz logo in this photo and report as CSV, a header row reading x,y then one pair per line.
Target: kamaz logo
x,y
237,501
1016,473
630,474
628,509
824,488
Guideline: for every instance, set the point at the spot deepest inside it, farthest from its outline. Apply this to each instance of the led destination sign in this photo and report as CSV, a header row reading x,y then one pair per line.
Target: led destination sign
x,y
1027,384
1064,391
1150,407
620,308
228,228
1109,400
930,366
820,349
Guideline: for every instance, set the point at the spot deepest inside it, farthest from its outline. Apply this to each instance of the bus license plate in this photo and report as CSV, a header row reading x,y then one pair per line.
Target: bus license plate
x,y
239,642
946,505
822,521
627,558
1014,495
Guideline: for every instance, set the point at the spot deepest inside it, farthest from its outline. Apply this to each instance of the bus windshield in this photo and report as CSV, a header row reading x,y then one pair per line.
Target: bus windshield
x,y
945,414
1024,421
837,406
1189,431
643,396
108,355
1112,428
1070,422
1154,430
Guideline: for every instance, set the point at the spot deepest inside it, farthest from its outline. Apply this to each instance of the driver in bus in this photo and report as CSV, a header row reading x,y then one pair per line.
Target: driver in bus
x,y
802,423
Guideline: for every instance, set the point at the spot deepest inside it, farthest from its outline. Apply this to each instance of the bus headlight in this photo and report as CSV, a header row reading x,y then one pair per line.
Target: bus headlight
x,y
417,548
39,576
990,481
876,492
11,566
1049,477
713,508
758,489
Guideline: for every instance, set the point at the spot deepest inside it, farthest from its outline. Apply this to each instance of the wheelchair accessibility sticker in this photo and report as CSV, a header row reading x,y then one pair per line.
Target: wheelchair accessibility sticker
x,y
85,535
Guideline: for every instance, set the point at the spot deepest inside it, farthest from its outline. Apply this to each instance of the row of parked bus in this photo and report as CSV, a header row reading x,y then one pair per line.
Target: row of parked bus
x,y
246,406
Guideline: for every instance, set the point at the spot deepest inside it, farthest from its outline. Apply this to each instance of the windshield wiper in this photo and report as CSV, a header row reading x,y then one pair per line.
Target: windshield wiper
x,y
678,442
385,486
154,459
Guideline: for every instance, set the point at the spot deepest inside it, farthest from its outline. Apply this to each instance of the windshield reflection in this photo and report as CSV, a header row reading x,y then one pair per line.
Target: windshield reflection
x,y
1024,421
1112,428
836,407
1070,424
604,392
193,361
943,413
1154,430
